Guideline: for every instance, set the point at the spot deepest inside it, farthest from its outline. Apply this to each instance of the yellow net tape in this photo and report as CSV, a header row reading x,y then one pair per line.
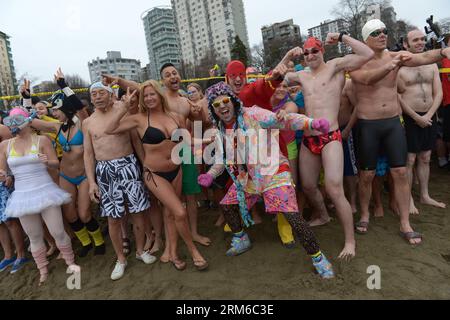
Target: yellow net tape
x,y
82,90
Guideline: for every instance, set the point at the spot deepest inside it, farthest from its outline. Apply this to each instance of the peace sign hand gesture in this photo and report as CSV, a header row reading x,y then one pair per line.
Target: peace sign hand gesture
x,y
126,99
59,78
25,89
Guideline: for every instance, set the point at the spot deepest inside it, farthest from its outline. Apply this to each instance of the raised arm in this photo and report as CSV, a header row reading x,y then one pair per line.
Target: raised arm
x,y
362,53
123,83
287,121
72,100
45,126
370,76
428,57
119,122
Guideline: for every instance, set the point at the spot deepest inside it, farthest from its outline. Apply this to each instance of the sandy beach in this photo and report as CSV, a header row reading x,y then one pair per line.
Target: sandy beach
x,y
269,271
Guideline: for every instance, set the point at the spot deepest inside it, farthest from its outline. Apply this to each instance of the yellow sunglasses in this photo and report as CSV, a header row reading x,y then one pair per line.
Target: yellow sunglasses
x,y
225,100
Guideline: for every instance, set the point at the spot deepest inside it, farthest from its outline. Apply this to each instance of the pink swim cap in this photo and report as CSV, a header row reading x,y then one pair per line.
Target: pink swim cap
x,y
18,111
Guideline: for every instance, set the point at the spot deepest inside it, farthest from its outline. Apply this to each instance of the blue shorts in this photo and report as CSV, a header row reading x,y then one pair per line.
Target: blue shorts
x,y
382,166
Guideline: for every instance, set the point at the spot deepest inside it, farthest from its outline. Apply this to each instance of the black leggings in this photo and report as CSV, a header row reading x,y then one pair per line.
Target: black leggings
x,y
307,238
386,133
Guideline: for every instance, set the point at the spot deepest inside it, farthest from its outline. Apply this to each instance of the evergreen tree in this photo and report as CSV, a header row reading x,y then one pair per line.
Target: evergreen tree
x,y
239,51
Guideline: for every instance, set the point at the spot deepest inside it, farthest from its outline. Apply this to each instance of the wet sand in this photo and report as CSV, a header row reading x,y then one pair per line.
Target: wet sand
x,y
269,271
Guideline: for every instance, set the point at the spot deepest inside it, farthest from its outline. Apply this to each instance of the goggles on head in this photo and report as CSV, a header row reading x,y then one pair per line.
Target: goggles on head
x,y
15,121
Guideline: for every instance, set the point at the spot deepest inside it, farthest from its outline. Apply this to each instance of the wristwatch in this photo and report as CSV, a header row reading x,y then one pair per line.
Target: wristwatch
x,y
342,34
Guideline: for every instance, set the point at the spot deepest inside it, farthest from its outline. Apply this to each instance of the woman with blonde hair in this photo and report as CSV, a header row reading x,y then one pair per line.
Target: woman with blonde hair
x,y
156,125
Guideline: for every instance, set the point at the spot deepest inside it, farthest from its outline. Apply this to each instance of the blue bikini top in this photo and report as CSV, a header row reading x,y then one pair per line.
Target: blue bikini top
x,y
77,140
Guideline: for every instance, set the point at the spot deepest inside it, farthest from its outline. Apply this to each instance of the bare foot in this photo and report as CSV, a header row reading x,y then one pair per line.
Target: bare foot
x,y
349,252
432,202
378,212
319,222
157,245
149,242
165,258
354,209
204,241
412,208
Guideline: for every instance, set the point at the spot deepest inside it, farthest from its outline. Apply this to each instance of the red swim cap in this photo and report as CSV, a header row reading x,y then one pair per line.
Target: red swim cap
x,y
235,68
313,42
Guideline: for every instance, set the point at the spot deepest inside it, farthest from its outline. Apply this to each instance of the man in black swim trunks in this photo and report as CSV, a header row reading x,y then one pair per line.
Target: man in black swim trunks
x,y
379,123
421,95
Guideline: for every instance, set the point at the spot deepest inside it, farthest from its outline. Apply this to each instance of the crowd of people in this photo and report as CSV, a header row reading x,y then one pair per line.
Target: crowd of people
x,y
139,155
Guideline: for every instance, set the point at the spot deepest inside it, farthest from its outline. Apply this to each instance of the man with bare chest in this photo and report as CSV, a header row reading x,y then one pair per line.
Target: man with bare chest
x,y
379,122
322,88
183,106
420,92
115,178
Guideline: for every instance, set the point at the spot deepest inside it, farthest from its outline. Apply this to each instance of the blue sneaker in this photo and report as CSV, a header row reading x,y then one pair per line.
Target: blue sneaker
x,y
239,245
5,263
18,264
324,268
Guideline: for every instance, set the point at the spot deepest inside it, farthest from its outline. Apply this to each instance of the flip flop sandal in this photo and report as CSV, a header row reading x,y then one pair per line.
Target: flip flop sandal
x,y
362,224
201,265
178,264
410,236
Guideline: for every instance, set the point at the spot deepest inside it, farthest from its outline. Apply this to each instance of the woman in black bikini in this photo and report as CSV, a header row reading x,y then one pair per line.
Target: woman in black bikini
x,y
163,178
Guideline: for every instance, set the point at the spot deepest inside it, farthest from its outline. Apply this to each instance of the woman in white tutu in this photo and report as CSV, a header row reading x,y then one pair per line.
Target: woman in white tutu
x,y
28,156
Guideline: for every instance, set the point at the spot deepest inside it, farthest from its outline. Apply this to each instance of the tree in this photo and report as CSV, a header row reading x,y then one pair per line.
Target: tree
x,y
276,49
257,53
352,12
75,81
239,51
445,25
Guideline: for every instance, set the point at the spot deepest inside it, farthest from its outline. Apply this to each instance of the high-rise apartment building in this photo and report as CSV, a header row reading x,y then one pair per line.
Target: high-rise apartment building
x,y
329,26
205,25
161,34
280,31
114,64
8,82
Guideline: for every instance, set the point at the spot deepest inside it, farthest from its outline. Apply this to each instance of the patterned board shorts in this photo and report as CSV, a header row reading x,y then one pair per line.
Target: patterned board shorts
x,y
121,186
5,193
281,199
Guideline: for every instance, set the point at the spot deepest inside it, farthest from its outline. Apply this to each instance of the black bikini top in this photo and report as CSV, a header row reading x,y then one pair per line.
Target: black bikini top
x,y
154,135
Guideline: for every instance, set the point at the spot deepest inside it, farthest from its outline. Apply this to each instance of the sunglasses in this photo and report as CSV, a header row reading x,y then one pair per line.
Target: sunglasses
x,y
225,100
378,32
14,121
313,51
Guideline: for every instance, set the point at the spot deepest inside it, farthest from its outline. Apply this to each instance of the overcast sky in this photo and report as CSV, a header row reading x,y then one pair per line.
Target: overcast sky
x,y
46,34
